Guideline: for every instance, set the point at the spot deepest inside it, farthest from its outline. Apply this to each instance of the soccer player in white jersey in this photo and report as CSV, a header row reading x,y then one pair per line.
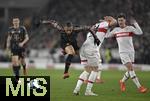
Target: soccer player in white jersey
x,y
123,35
90,56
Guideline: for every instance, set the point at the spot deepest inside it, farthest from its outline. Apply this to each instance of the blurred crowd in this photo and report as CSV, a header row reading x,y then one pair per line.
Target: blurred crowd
x,y
84,12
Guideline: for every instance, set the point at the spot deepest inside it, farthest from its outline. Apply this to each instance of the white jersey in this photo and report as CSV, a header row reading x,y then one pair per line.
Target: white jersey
x,y
89,53
124,37
102,30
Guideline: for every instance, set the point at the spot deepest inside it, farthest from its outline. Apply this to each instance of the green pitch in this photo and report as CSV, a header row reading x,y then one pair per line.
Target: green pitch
x,y
61,90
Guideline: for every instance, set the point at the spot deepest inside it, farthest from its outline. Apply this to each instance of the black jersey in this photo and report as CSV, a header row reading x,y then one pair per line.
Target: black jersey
x,y
65,38
69,40
17,36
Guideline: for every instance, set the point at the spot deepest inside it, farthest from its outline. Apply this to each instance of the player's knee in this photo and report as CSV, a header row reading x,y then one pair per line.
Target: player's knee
x,y
71,52
130,69
22,62
95,68
129,66
68,51
86,68
15,62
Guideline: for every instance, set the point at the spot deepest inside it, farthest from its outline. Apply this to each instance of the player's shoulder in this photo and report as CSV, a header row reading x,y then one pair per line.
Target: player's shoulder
x,y
101,22
62,33
11,27
130,28
116,29
104,22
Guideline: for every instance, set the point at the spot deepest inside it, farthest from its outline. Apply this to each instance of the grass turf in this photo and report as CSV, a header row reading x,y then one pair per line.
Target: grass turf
x,y
61,90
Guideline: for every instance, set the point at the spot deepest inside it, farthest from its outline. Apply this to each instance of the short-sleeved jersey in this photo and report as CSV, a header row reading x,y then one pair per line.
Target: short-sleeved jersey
x,y
17,35
69,40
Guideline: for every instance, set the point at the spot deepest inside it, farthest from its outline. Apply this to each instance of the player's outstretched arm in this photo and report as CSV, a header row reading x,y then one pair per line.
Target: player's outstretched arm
x,y
82,28
53,23
136,29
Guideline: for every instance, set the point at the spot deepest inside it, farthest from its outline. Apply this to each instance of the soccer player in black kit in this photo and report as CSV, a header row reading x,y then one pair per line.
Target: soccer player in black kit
x,y
16,40
68,40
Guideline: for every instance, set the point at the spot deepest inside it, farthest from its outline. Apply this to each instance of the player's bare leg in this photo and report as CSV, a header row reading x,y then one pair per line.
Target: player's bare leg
x,y
71,52
16,67
98,78
23,63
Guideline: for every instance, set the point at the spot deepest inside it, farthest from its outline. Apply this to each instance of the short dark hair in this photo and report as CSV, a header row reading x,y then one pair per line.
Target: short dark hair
x,y
121,15
69,24
14,17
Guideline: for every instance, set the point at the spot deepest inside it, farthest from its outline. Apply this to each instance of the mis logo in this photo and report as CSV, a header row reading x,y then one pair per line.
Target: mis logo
x,y
30,86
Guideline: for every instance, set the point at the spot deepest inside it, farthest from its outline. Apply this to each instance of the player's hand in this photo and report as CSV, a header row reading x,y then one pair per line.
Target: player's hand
x,y
21,44
97,41
108,18
53,21
132,21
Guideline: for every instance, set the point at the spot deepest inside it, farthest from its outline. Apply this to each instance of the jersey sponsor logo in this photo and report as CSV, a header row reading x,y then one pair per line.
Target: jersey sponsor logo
x,y
124,34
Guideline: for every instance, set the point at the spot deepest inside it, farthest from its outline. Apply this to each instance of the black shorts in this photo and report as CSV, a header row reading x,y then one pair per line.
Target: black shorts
x,y
18,51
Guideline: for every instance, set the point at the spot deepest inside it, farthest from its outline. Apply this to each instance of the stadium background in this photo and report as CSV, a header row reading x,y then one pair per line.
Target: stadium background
x,y
44,41
44,53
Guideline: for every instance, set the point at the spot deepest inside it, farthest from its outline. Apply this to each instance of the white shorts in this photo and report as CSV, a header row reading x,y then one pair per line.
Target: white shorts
x,y
127,57
90,56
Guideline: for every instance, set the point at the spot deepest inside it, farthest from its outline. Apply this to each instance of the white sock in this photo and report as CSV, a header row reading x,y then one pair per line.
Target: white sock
x,y
99,71
134,79
99,74
125,77
83,76
91,80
